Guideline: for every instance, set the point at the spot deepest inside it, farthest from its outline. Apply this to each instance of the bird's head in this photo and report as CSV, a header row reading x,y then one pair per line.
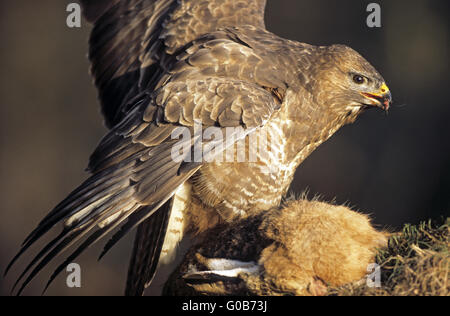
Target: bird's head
x,y
348,83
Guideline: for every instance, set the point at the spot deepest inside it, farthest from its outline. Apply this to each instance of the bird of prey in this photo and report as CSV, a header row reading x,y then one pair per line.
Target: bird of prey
x,y
162,65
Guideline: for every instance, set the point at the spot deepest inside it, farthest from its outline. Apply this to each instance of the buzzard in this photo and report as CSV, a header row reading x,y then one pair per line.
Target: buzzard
x,y
161,65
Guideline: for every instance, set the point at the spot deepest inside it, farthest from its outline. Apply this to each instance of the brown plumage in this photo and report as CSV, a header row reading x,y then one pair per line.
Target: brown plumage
x,y
160,65
298,249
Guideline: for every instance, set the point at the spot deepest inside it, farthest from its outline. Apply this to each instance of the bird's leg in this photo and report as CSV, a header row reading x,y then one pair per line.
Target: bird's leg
x,y
220,268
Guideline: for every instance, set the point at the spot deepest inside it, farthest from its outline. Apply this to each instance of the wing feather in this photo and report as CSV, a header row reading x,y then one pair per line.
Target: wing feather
x,y
147,248
136,35
133,187
133,173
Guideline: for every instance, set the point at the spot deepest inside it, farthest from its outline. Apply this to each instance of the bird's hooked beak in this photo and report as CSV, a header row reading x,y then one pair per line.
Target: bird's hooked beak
x,y
381,98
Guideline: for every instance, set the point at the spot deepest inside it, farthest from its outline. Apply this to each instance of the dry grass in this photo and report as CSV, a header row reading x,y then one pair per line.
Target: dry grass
x,y
415,263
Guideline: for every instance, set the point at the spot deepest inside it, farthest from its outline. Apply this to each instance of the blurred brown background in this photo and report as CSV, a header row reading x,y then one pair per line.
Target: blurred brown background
x,y
396,168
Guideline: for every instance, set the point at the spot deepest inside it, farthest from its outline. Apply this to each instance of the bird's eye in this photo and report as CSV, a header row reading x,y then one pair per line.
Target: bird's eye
x,y
358,79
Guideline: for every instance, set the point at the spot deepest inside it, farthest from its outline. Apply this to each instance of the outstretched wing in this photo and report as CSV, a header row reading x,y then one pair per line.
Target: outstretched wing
x,y
130,47
134,170
152,81
132,40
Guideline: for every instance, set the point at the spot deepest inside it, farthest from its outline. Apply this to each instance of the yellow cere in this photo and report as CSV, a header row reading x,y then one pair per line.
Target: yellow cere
x,y
384,88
